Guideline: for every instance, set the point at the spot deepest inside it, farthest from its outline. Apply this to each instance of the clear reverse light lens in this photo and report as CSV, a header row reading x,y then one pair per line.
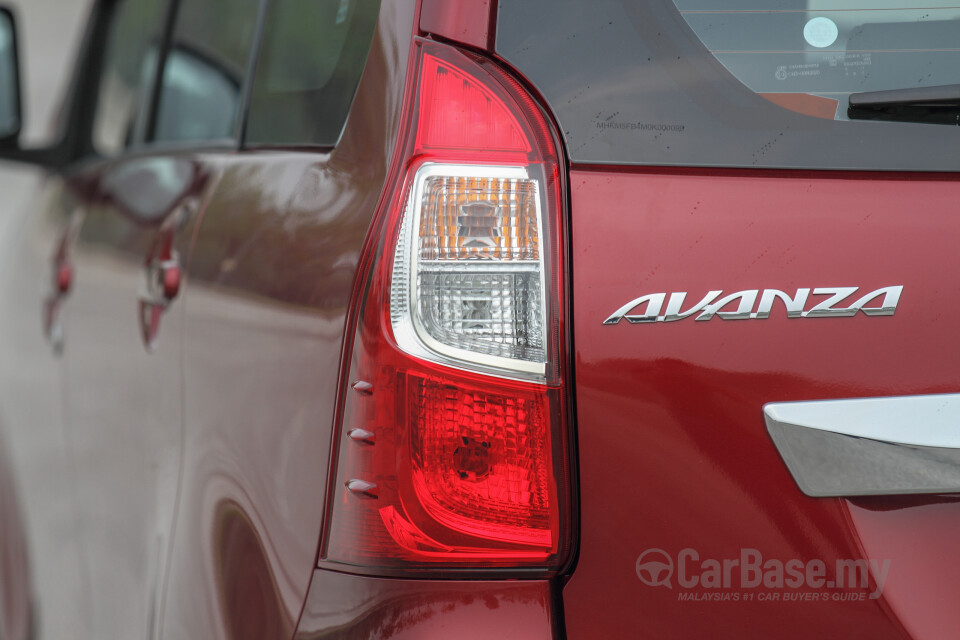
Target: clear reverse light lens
x,y
468,286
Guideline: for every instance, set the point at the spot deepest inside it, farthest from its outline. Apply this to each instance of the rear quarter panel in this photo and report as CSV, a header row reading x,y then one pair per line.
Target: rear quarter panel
x,y
270,279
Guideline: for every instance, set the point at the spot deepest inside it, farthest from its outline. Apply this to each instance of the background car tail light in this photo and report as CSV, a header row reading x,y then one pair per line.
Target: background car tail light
x,y
452,432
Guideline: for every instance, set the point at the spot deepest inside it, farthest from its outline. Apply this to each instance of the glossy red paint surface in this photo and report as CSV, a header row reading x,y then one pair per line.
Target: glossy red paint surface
x,y
919,537
673,449
342,606
182,493
465,21
265,296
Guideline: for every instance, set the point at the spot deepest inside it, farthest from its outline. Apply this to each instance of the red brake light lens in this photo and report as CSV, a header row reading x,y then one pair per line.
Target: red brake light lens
x,y
480,460
452,435
459,113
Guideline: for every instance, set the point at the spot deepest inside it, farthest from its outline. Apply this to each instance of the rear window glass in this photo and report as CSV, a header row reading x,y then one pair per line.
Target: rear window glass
x,y
310,63
790,51
742,82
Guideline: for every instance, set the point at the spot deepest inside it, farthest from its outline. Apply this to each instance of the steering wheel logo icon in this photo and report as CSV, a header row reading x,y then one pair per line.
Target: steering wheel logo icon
x,y
655,568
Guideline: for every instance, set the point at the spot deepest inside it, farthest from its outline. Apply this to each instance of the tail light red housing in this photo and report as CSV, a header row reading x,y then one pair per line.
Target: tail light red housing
x,y
451,442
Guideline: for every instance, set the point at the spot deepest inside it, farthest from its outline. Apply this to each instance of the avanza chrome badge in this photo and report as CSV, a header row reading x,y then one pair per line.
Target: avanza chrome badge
x,y
740,305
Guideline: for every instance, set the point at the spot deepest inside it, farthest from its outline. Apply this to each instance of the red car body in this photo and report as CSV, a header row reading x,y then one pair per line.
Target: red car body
x,y
187,323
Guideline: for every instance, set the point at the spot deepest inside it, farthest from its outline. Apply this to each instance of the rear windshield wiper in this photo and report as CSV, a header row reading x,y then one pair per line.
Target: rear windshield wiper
x,y
933,105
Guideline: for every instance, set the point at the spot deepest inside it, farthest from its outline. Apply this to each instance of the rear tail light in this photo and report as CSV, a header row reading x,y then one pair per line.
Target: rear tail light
x,y
452,446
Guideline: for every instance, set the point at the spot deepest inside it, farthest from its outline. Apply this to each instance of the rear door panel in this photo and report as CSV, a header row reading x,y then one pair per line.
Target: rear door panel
x,y
674,452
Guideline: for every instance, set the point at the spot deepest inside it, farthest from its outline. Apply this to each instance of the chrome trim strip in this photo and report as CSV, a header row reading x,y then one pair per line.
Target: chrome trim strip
x,y
870,446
